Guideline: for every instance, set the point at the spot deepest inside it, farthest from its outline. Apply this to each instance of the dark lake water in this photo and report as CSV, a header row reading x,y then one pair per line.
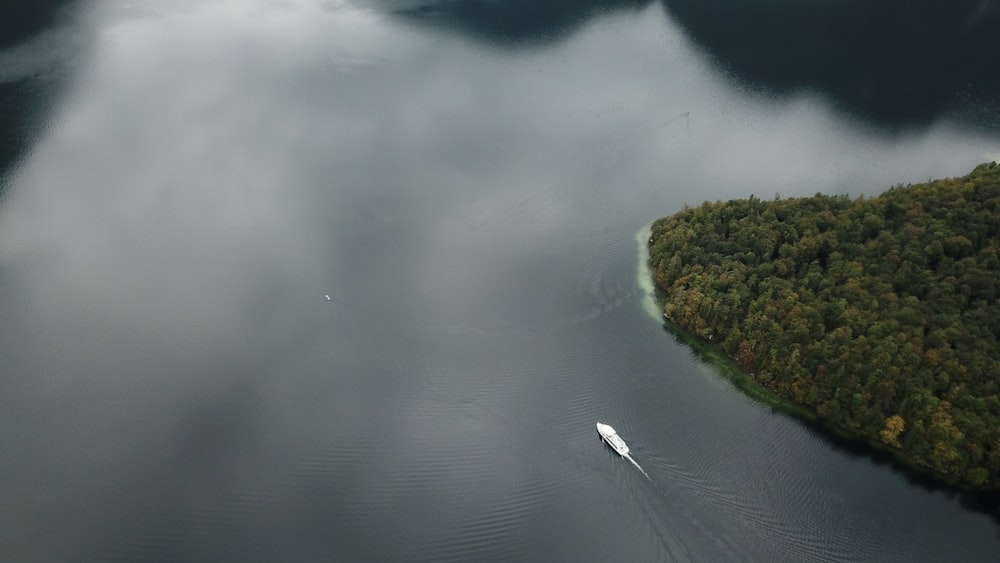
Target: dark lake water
x,y
304,280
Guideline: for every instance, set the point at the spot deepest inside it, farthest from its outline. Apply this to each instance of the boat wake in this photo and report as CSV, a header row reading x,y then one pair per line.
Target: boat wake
x,y
636,464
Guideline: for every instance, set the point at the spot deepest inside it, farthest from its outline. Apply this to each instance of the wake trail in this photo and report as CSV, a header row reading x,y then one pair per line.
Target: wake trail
x,y
639,467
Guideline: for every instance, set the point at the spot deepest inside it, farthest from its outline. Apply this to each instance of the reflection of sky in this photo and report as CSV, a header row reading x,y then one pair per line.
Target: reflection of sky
x,y
217,168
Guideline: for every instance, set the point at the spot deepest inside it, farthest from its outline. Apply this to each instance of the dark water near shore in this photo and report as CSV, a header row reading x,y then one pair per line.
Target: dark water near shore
x,y
186,182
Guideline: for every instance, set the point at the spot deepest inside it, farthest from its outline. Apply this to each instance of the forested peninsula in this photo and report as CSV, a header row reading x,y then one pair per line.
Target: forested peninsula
x,y
879,315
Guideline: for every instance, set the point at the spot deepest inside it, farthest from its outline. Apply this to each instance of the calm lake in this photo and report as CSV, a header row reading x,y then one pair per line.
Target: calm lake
x,y
335,280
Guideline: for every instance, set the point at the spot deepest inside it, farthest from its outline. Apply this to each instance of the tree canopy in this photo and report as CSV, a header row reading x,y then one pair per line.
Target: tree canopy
x,y
878,314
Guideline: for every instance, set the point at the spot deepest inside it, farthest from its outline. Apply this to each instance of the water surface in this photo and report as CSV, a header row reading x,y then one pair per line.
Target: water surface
x,y
176,385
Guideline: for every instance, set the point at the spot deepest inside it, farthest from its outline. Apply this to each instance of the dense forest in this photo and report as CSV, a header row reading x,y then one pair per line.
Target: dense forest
x,y
878,314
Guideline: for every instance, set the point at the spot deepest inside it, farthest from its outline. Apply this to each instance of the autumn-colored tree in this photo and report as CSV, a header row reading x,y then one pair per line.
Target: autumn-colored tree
x,y
894,426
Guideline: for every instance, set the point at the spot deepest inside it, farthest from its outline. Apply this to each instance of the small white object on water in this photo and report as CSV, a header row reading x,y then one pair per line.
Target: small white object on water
x,y
327,297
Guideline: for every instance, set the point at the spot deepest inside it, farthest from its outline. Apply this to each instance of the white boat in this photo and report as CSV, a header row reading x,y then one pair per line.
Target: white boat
x,y
612,438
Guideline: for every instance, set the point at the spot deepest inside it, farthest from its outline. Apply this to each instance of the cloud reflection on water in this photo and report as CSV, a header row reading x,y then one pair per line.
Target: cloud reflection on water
x,y
216,170
897,63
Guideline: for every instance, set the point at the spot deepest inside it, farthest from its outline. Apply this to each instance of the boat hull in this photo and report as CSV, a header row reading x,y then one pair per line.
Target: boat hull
x,y
612,439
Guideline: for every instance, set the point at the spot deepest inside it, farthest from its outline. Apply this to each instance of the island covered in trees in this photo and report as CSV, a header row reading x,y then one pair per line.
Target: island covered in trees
x,y
878,315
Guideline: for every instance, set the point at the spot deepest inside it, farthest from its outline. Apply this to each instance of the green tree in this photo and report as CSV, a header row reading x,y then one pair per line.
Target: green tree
x,y
881,314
